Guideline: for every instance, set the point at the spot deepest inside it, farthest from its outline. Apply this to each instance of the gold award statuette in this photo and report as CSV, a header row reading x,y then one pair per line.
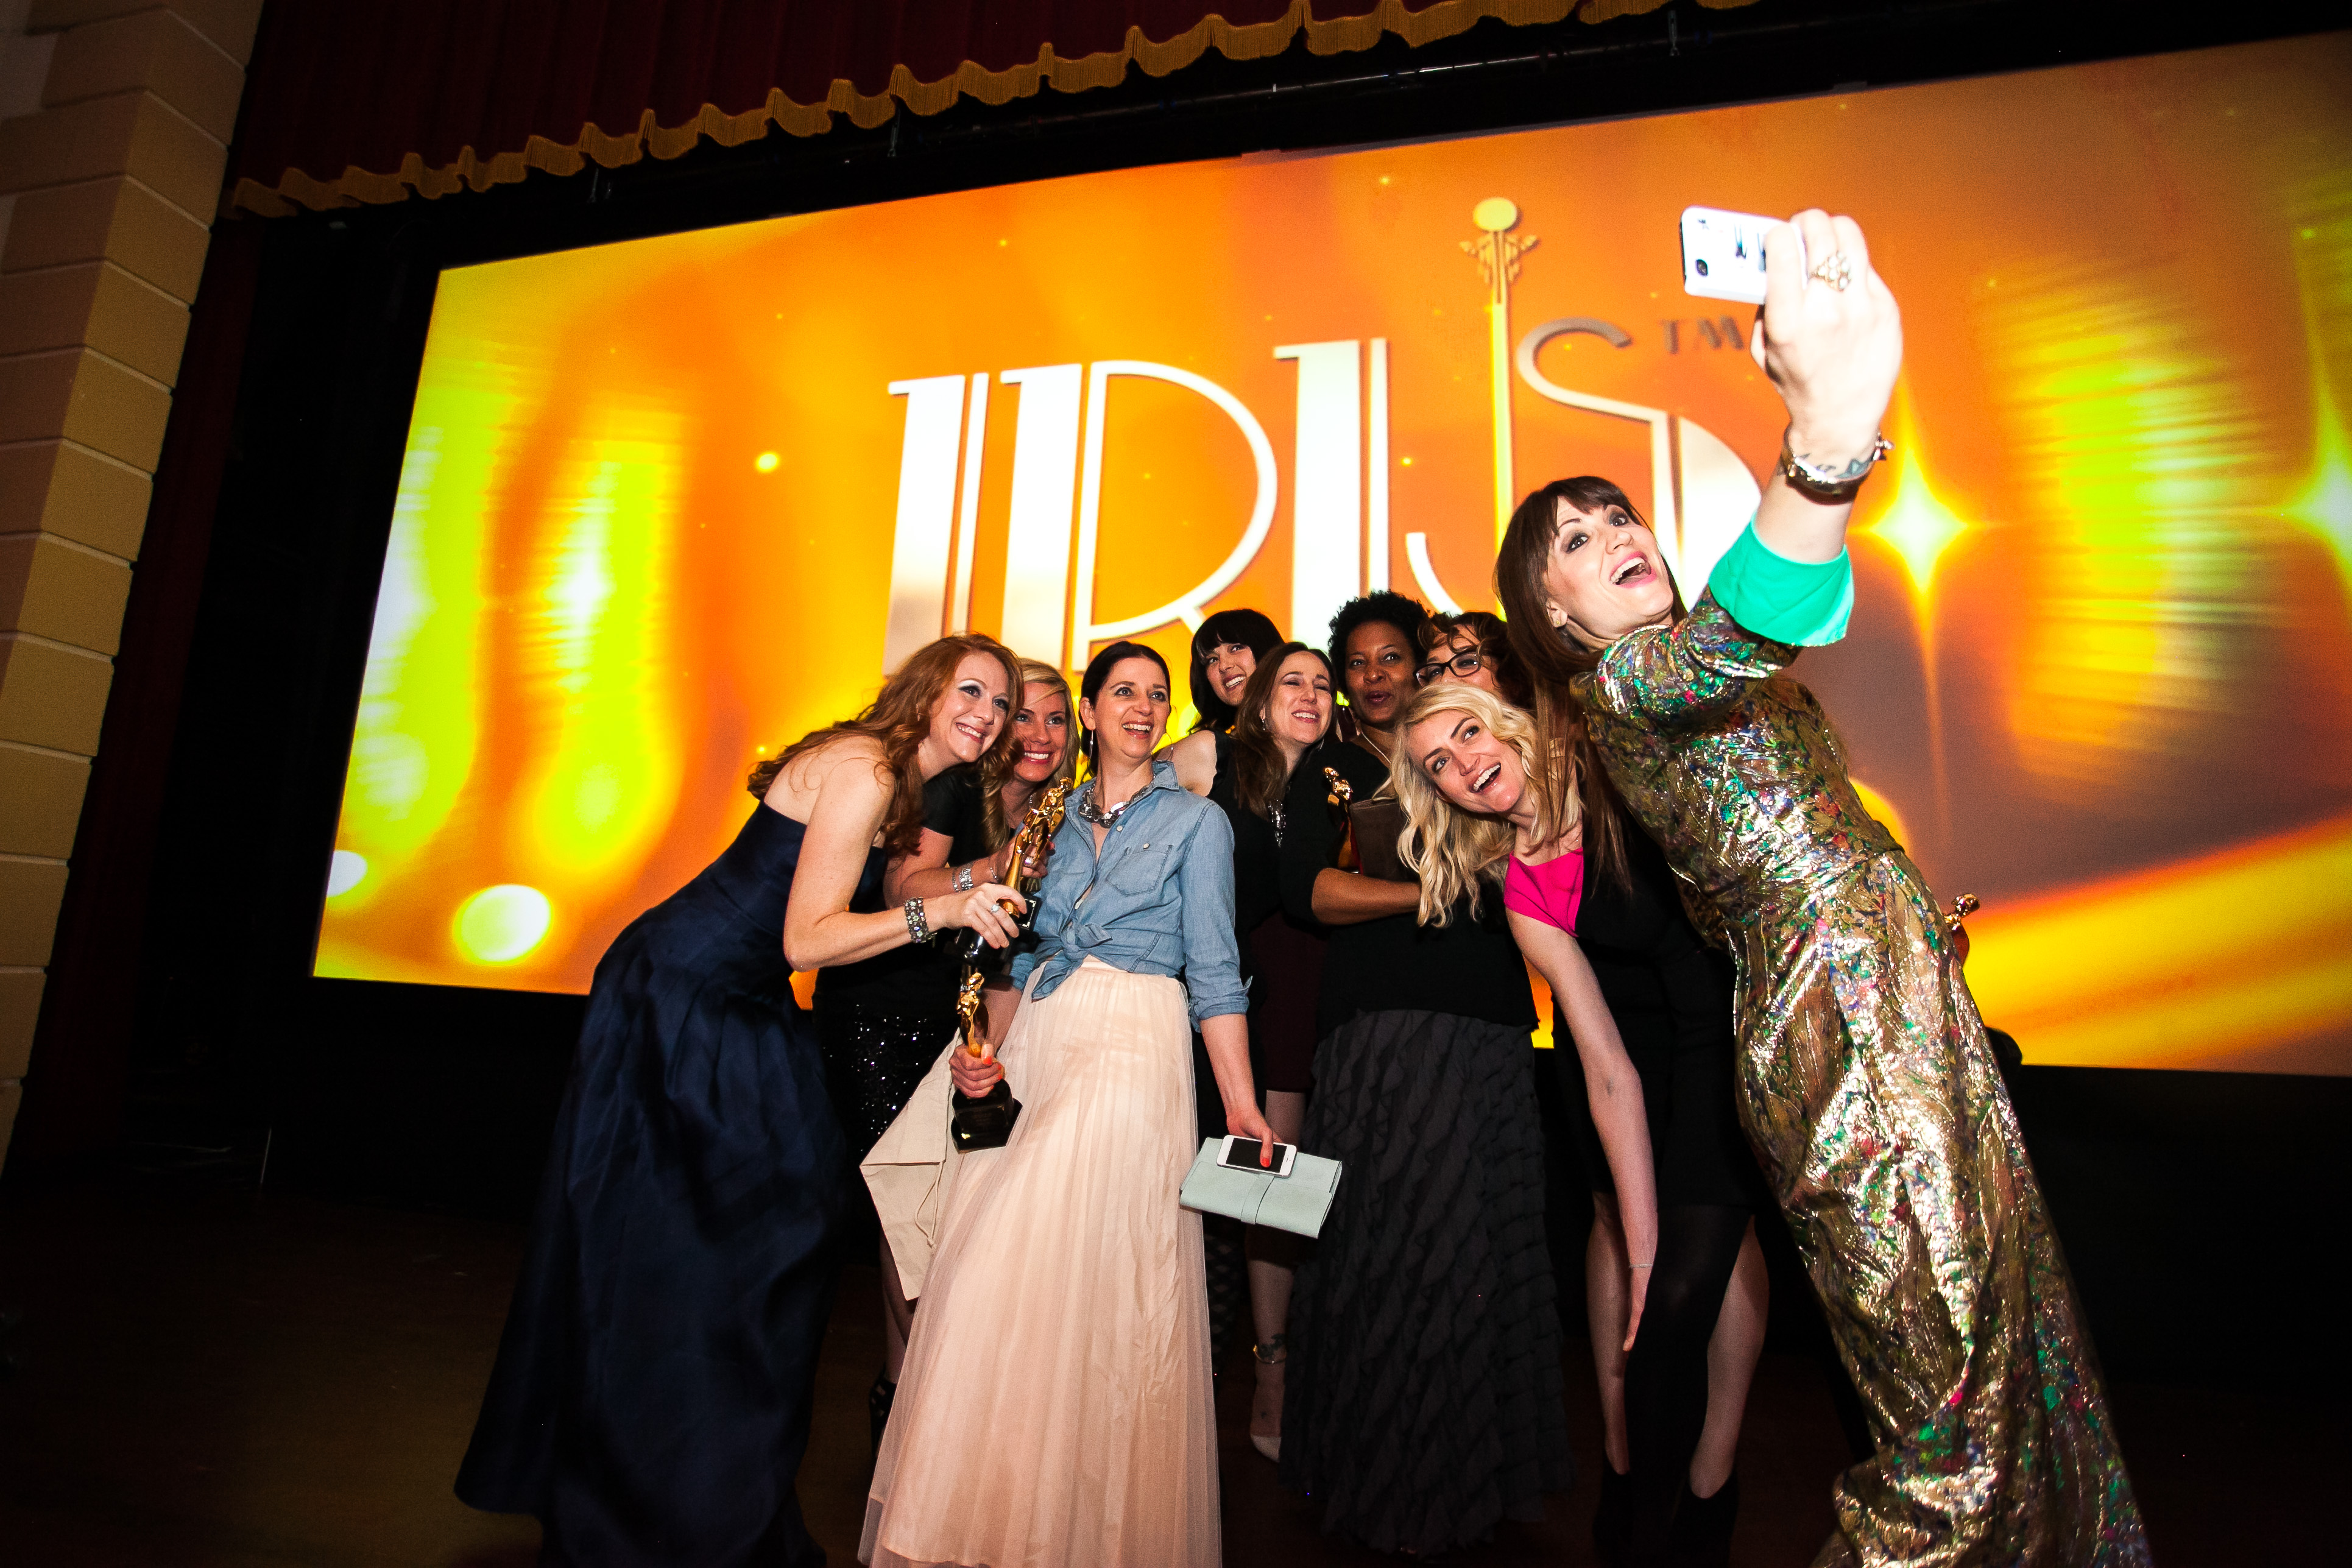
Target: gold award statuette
x,y
1339,797
1955,923
1029,845
987,1122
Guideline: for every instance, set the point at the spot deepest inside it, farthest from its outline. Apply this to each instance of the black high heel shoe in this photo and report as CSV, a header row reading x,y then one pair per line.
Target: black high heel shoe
x,y
878,1399
1701,1536
1612,1523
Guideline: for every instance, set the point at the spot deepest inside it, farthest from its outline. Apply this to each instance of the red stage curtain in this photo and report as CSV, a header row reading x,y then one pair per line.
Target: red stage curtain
x,y
367,99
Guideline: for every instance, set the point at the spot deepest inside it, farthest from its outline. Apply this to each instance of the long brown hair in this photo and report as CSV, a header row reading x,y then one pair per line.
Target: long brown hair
x,y
900,717
1260,772
992,778
1553,659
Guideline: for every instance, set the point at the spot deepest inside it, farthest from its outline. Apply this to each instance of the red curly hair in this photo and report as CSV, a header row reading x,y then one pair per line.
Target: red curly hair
x,y
900,717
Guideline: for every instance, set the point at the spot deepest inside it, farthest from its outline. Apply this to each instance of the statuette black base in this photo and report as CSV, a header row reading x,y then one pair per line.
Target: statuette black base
x,y
985,1122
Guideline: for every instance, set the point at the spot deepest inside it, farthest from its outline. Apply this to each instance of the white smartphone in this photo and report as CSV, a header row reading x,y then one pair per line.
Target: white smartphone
x,y
1241,1153
1723,254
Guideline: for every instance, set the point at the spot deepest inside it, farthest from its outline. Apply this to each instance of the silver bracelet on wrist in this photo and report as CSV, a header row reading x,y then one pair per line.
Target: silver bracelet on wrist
x,y
963,880
918,928
1651,1264
1830,486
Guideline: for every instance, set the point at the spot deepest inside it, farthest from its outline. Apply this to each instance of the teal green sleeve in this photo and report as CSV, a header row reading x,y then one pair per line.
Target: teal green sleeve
x,y
1803,604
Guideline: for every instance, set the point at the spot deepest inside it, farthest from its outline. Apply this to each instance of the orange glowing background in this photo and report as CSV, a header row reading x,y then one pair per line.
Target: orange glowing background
x,y
2100,674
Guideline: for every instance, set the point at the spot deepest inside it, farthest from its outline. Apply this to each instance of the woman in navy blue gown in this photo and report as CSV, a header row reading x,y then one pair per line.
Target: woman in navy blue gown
x,y
650,1402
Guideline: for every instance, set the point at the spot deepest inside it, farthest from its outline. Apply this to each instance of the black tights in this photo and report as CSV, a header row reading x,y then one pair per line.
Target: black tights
x,y
1665,1374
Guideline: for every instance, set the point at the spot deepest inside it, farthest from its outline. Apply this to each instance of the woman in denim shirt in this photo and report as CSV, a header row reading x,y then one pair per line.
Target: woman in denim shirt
x,y
1055,1403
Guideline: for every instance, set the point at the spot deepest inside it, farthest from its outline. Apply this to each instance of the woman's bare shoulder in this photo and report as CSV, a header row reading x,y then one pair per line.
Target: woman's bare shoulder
x,y
845,765
1194,758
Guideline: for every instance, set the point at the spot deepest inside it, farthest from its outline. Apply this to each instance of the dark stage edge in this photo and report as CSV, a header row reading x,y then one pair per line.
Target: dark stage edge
x,y
210,1377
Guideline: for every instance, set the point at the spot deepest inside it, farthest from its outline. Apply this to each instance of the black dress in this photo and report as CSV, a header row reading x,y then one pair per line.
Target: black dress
x,y
1670,993
650,1402
1422,1402
883,1021
1282,958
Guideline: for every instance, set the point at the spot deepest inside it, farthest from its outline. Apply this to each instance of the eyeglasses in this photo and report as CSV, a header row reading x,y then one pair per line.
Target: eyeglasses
x,y
1466,664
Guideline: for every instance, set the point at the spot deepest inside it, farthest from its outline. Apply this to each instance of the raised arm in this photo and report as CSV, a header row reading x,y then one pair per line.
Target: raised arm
x,y
1830,338
1611,1086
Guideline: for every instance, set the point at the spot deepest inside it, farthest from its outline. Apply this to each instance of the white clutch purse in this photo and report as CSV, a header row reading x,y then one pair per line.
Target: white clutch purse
x,y
1297,1202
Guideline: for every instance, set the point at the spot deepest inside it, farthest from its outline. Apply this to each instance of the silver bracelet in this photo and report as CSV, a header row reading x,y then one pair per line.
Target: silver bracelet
x,y
1651,1264
963,880
918,928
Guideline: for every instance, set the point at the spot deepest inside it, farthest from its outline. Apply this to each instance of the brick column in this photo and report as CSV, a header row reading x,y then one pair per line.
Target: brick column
x,y
115,119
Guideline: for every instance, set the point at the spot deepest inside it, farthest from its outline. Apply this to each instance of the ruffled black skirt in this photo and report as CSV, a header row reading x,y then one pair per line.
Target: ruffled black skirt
x,y
1423,1402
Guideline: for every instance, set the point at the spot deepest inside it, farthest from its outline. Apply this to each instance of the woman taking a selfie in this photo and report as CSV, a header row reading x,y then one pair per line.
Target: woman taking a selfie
x,y
1867,1087
1054,1406
651,1396
885,1020
1644,1052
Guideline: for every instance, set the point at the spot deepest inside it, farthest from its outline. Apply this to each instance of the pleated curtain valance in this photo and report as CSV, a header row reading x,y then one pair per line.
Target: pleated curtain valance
x,y
368,100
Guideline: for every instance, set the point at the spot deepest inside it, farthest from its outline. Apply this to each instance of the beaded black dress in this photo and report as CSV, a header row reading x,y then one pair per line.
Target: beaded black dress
x,y
883,1021
650,1403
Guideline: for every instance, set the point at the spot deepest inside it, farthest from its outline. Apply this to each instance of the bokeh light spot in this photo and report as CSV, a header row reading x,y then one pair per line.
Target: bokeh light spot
x,y
766,462
344,872
1879,806
500,924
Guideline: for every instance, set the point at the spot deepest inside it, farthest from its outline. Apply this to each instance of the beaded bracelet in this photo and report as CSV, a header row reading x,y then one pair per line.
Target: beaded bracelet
x,y
918,929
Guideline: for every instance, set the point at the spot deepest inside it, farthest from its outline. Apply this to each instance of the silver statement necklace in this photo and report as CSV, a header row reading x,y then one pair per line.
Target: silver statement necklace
x,y
1084,808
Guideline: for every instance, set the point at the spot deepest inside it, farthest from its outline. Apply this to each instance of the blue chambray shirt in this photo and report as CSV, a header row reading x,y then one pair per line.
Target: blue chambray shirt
x,y
1159,901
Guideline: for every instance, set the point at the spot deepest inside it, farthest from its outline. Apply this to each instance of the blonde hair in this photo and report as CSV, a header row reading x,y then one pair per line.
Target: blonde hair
x,y
1453,851
992,776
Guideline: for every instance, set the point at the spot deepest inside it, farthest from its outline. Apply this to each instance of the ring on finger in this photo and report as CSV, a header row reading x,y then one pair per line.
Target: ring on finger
x,y
1837,270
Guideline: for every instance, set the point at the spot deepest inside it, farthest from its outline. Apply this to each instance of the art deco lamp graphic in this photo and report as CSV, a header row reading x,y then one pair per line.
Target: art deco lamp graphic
x,y
1702,494
1497,251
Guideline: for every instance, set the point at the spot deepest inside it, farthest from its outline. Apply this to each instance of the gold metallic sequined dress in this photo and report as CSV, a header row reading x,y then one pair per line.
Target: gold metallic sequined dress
x,y
1879,1117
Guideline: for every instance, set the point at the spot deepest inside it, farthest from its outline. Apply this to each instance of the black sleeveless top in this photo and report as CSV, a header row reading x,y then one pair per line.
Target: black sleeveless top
x,y
918,981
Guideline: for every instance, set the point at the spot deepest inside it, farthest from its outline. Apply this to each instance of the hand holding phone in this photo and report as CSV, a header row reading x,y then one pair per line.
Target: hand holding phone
x,y
1723,254
1831,339
1240,1153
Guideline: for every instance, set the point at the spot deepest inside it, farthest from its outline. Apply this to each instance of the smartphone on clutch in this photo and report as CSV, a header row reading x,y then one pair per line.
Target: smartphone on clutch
x,y
1241,1153
1723,254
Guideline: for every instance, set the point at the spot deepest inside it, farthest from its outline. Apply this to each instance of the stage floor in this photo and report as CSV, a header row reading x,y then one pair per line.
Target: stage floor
x,y
216,1379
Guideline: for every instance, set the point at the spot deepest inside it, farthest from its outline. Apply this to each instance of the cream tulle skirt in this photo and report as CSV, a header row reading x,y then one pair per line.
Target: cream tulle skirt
x,y
1054,1409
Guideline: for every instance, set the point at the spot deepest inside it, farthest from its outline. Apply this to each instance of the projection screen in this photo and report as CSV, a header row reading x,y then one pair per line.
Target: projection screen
x,y
667,504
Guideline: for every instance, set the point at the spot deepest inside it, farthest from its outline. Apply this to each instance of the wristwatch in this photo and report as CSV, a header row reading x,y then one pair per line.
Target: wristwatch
x,y
1822,484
